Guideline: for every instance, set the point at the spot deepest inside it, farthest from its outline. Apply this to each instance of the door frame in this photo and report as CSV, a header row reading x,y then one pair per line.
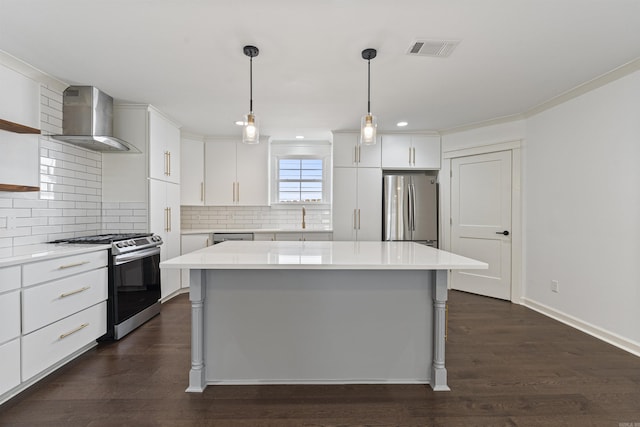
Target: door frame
x,y
515,147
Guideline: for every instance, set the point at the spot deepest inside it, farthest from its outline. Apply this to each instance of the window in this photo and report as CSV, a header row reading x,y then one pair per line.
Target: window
x,y
300,172
300,180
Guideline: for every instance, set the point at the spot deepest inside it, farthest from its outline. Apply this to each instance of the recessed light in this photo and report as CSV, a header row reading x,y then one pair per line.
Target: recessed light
x,y
402,124
240,123
299,136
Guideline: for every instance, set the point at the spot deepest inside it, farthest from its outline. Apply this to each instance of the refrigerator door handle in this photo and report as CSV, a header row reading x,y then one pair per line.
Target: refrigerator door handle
x,y
412,195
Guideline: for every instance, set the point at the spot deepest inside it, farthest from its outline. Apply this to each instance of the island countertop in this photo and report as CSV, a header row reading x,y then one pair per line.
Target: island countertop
x,y
311,255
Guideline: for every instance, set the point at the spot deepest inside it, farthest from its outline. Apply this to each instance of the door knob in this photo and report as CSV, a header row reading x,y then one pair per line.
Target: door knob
x,y
505,232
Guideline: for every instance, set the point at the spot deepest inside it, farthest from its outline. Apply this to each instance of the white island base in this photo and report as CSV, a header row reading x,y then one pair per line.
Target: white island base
x,y
318,313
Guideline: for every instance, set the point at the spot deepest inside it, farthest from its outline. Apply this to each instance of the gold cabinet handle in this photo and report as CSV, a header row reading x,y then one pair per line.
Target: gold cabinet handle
x,y
234,192
169,169
359,154
202,191
414,155
169,223
355,219
77,291
62,267
238,190
73,331
166,162
358,219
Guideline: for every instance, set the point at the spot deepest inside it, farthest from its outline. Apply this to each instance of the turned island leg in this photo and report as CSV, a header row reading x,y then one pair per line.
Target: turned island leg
x,y
196,296
438,371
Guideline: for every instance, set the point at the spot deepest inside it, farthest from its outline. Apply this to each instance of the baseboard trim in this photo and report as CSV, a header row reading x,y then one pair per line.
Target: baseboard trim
x,y
595,331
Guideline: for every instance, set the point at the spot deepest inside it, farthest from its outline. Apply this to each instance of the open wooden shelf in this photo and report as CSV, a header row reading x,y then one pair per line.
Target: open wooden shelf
x,y
17,128
18,188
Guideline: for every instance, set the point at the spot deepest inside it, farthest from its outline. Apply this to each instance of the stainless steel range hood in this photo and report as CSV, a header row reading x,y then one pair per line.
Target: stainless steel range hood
x,y
87,120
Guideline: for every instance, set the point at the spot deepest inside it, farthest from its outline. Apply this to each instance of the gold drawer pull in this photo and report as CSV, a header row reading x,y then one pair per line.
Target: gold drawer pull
x,y
77,291
62,267
79,328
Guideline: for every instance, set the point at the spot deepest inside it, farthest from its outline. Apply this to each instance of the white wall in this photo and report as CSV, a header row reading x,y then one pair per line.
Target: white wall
x,y
582,208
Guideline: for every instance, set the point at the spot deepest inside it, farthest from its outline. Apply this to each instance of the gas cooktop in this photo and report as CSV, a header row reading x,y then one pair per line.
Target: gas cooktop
x,y
120,243
103,238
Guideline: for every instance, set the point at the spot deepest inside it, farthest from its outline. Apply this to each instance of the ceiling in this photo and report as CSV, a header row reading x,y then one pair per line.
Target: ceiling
x,y
185,57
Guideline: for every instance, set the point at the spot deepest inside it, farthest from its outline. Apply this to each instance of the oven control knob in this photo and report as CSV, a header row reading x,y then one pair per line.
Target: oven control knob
x,y
119,244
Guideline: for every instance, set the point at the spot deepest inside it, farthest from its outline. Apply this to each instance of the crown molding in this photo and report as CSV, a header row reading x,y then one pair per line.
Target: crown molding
x,y
30,71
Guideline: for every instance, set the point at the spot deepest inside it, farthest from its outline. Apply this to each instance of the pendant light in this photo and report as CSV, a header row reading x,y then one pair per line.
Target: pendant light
x,y
250,131
369,122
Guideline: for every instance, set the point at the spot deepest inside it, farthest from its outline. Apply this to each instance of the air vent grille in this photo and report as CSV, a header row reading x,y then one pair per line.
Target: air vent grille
x,y
436,48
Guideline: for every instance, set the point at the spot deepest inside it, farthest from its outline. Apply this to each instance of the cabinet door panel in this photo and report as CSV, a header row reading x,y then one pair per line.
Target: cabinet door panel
x,y
252,162
344,203
172,146
46,346
192,173
45,304
370,155
396,151
370,204
157,146
10,309
427,152
220,172
344,149
10,366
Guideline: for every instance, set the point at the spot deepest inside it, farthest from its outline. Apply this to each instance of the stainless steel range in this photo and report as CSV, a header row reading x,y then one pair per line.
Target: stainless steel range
x,y
134,279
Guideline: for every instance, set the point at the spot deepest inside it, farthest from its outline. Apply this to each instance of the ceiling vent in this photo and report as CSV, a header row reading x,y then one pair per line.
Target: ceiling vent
x,y
437,48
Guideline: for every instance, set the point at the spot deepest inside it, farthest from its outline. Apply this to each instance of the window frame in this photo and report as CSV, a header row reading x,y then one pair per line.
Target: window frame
x,y
284,150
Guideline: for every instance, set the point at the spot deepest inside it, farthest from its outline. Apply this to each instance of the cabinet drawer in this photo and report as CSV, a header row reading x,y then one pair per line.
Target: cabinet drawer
x,y
52,301
10,312
10,366
49,345
9,278
52,269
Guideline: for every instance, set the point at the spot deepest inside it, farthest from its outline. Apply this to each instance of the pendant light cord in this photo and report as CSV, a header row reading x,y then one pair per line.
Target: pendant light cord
x,y
251,84
369,86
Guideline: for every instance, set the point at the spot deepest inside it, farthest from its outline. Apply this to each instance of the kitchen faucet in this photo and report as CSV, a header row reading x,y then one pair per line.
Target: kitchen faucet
x,y
304,213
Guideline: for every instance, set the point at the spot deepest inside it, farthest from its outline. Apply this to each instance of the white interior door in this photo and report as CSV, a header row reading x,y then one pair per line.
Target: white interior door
x,y
481,222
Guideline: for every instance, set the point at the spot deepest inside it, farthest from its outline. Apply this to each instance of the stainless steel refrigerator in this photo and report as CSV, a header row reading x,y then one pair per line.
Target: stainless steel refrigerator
x,y
410,207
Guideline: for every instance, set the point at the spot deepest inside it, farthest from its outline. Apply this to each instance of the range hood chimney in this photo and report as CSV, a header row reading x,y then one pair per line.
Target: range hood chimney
x,y
87,120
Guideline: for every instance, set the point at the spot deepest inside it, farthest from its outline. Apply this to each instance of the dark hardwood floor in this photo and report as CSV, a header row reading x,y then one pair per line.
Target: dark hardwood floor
x,y
507,365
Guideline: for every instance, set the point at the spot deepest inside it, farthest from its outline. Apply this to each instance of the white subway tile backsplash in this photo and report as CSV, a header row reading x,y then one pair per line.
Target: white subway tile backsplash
x,y
284,217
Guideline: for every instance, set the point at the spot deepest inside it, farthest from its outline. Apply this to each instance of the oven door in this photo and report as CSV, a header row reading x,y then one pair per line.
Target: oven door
x,y
136,282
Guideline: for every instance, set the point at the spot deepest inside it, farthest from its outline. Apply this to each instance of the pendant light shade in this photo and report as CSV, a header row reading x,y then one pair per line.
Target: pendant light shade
x,y
369,123
250,130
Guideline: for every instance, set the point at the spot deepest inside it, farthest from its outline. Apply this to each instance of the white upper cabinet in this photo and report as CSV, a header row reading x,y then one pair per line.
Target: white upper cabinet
x,y
164,148
347,152
192,172
19,99
236,174
411,152
220,179
19,124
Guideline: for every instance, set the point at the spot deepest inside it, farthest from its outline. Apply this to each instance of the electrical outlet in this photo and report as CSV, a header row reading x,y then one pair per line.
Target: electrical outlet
x,y
555,287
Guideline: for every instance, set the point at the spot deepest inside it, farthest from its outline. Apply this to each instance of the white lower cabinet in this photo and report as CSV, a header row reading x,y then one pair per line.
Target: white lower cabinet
x,y
10,309
46,303
49,345
51,310
10,366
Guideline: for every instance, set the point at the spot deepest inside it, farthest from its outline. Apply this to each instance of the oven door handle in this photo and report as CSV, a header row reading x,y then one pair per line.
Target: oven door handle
x,y
133,256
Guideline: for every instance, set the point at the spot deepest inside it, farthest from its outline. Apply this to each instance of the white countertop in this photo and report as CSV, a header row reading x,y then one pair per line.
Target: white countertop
x,y
260,255
253,230
29,253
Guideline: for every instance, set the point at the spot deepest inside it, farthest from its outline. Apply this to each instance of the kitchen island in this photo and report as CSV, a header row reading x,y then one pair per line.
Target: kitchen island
x,y
318,312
